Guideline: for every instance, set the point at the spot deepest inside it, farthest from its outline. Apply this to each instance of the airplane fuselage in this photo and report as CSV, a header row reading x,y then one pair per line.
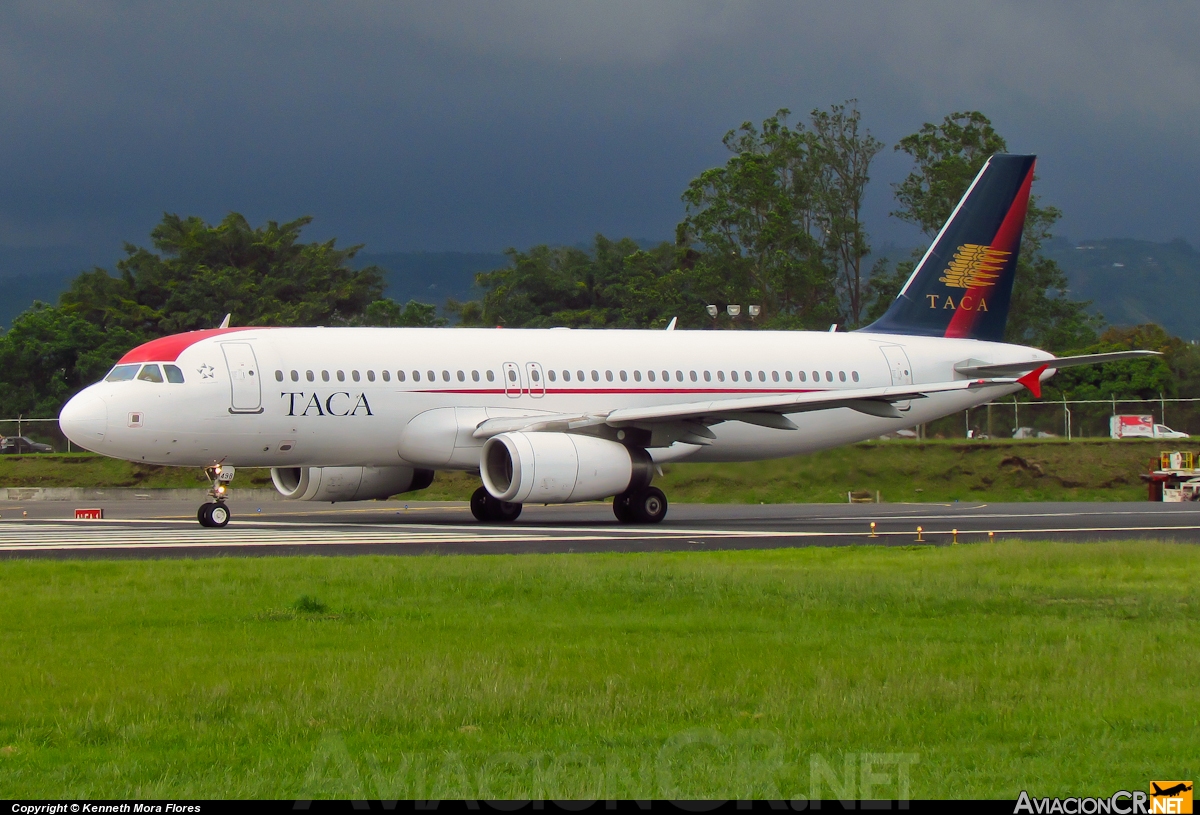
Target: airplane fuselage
x,y
292,397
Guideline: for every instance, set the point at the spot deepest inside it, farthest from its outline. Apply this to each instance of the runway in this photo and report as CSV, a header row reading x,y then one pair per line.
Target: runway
x,y
169,529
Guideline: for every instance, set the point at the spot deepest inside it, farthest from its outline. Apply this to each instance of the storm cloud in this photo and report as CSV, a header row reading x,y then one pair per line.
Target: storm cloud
x,y
476,126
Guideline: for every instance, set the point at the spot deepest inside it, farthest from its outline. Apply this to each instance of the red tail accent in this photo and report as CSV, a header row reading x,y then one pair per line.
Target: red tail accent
x,y
1033,381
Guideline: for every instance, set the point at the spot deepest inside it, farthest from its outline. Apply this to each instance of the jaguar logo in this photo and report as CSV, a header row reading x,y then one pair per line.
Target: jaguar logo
x,y
339,403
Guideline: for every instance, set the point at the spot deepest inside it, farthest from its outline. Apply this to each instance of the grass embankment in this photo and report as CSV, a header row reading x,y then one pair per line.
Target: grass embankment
x,y
986,669
899,471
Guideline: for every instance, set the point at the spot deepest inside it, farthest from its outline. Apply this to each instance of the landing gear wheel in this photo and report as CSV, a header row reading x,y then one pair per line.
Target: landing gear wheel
x,y
487,509
622,508
644,506
213,515
218,516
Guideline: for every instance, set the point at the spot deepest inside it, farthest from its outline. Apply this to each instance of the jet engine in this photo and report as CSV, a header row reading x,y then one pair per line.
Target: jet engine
x,y
560,468
347,483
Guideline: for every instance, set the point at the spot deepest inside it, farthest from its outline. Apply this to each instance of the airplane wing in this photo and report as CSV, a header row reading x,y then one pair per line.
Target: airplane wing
x,y
975,367
767,410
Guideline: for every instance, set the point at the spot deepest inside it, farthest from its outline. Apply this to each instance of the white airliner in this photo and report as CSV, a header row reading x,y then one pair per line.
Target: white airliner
x,y
561,415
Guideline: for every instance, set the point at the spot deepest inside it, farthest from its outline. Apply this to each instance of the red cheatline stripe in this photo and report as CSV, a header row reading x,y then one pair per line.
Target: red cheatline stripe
x,y
962,324
566,392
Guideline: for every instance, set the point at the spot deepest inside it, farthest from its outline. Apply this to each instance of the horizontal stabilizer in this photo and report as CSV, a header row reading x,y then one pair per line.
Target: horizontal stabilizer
x,y
975,367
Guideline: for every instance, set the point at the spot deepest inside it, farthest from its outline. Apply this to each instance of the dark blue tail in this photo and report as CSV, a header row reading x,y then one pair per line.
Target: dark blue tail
x,y
962,287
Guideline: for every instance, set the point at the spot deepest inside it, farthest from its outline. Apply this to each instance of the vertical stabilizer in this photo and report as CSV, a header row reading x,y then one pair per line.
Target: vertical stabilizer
x,y
963,284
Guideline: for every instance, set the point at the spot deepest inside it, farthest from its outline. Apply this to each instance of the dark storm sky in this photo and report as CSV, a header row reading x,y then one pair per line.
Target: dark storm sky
x,y
475,126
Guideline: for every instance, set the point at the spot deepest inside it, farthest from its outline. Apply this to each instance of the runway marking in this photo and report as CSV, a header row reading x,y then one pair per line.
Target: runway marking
x,y
33,536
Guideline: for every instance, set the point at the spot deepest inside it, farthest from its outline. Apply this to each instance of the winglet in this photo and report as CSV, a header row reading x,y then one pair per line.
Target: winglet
x,y
671,325
1033,381
225,322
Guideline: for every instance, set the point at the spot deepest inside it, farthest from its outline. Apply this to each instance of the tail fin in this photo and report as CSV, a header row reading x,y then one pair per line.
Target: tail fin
x,y
963,284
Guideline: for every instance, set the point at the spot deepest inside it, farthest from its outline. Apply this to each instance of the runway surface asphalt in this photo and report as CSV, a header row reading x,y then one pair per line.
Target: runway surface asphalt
x,y
156,528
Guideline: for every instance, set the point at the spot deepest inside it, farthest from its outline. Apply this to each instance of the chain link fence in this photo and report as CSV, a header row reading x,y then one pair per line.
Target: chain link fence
x,y
1068,419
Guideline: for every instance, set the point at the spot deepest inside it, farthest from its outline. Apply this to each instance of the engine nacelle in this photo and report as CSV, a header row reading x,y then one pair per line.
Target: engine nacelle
x,y
347,483
559,468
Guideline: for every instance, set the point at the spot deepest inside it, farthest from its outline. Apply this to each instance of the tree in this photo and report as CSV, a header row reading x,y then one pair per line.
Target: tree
x,y
616,285
758,223
195,274
844,161
948,156
1146,378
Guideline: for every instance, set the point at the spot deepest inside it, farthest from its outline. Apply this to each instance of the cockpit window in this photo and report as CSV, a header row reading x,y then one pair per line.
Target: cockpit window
x,y
122,373
150,373
173,373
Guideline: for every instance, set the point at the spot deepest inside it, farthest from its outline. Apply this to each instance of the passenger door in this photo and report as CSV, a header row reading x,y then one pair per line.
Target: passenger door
x,y
244,378
900,369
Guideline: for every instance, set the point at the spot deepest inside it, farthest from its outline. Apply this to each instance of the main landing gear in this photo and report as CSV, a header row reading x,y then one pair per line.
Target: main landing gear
x,y
647,505
487,509
215,513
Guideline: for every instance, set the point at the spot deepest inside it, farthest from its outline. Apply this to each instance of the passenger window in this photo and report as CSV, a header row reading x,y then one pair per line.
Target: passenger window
x,y
679,376
829,376
553,377
624,376
666,375
650,375
637,376
150,373
279,376
431,376
533,374
324,376
445,376
774,376
174,374
692,376
462,377
720,376
854,375
787,375
295,376
354,375
566,376
749,376
803,376
762,376
491,376
341,376
370,376
122,373
387,375
707,376
512,376
399,376
608,375
595,376
733,375
842,375
816,376
416,376
309,376
474,376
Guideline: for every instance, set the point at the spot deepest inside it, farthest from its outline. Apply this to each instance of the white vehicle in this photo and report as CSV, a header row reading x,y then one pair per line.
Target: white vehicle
x,y
1141,427
559,415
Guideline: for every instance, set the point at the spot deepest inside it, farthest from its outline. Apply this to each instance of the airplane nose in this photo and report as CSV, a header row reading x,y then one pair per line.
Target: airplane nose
x,y
84,420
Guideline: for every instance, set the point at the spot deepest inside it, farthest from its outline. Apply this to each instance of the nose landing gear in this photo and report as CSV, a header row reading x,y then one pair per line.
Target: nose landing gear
x,y
215,513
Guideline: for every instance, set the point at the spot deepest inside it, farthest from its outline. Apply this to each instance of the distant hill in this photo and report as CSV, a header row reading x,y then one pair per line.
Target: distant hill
x,y
1132,282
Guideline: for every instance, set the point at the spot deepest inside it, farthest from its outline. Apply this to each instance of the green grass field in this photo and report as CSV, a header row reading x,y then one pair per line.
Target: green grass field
x,y
899,471
978,671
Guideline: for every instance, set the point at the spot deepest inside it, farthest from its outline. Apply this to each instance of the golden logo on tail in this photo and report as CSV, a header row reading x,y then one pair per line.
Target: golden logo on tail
x,y
974,265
